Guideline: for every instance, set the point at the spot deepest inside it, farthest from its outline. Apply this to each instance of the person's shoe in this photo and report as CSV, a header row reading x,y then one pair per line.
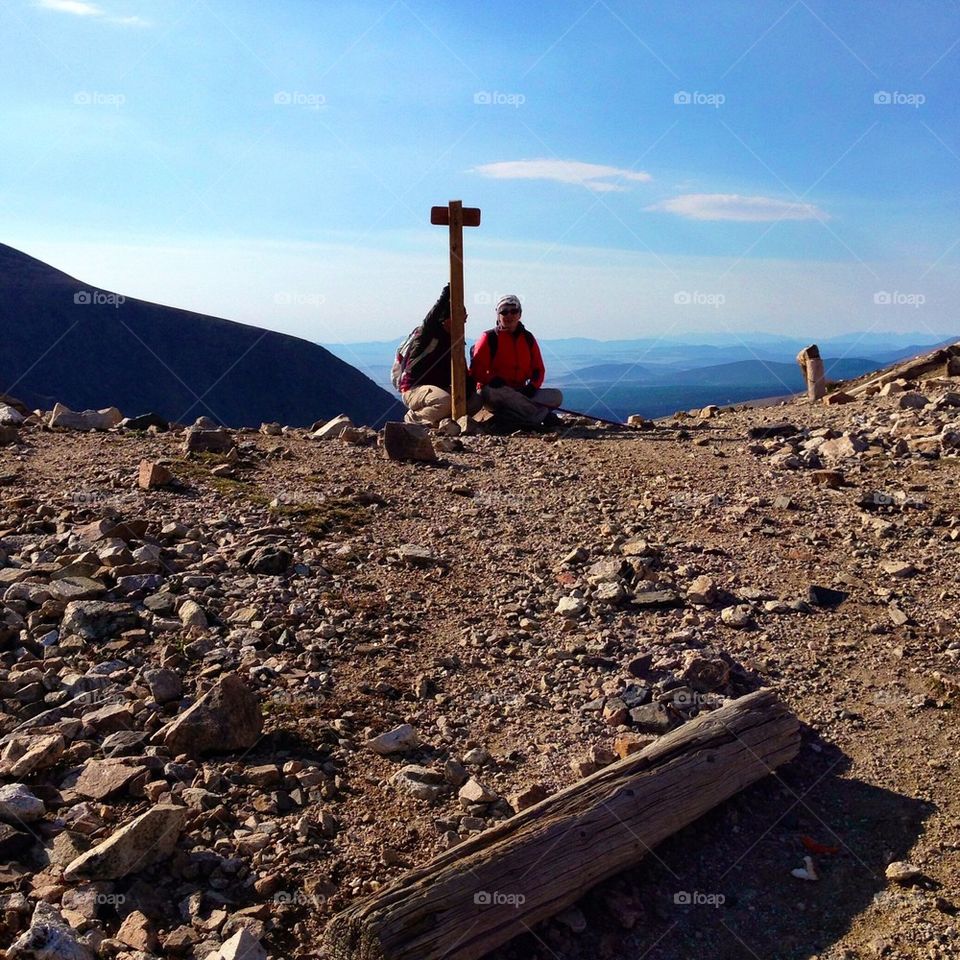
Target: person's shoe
x,y
552,422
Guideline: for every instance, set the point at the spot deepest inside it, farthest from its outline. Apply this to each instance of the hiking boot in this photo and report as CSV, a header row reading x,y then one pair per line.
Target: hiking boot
x,y
551,422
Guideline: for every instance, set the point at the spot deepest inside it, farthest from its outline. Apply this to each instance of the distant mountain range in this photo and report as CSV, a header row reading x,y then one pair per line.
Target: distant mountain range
x,y
63,340
655,377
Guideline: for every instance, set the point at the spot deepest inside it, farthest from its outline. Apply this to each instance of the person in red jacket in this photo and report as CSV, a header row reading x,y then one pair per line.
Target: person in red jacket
x,y
509,370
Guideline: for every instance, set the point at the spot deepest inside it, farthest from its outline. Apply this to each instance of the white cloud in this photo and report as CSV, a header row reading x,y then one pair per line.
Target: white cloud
x,y
593,176
80,8
734,206
77,7
130,21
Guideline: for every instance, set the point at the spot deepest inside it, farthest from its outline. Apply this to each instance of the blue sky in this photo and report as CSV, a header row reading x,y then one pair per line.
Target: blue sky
x,y
642,169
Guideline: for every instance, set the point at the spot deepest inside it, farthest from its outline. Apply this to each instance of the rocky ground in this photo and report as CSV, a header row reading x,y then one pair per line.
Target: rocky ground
x,y
283,670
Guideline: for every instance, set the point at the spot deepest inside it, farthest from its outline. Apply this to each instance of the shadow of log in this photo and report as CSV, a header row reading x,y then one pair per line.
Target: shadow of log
x,y
722,889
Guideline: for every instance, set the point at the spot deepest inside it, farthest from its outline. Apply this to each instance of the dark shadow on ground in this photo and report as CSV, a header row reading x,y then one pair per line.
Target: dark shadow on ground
x,y
722,888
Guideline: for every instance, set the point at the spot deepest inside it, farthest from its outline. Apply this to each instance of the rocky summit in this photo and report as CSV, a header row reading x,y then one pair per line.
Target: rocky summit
x,y
247,677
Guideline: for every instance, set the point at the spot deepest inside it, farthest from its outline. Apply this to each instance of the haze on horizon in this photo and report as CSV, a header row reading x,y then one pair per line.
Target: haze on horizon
x,y
790,168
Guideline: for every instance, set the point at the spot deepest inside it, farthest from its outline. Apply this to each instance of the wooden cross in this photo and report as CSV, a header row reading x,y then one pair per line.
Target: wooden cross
x,y
458,217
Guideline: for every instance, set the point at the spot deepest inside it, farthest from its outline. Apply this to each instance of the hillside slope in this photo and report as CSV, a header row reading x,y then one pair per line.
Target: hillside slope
x,y
66,341
531,606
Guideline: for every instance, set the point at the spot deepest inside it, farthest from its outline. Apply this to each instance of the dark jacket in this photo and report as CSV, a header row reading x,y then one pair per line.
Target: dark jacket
x,y
429,357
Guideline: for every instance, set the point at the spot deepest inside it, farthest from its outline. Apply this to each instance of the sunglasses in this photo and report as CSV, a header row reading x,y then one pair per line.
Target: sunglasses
x,y
507,311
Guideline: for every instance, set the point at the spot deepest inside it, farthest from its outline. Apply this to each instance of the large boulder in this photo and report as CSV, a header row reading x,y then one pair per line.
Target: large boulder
x,y
63,416
226,717
49,937
97,619
149,838
19,805
407,441
10,416
25,753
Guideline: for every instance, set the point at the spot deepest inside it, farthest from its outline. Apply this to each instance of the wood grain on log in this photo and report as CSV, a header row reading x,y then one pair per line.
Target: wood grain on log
x,y
494,886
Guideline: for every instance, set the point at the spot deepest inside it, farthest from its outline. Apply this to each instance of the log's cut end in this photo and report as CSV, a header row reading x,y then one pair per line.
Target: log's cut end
x,y
471,899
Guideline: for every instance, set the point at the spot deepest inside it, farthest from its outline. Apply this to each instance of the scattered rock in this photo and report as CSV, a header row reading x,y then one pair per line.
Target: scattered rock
x,y
703,590
332,429
243,945
738,616
26,754
225,718
903,872
165,685
206,437
529,796
420,782
50,937
398,740
19,805
407,441
98,619
473,791
153,475
63,416
146,840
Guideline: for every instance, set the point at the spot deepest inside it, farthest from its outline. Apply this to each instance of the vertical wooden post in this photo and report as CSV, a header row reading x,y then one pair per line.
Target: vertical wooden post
x,y
811,364
458,217
458,373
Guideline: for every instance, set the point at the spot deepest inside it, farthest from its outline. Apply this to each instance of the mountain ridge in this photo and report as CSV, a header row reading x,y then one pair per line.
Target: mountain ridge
x,y
68,341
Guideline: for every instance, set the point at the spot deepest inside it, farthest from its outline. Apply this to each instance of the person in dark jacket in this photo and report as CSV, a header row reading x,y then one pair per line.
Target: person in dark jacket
x,y
425,384
508,366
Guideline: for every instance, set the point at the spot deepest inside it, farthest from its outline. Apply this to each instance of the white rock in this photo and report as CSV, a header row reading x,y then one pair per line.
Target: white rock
x,y
570,607
738,616
9,416
332,428
243,945
19,805
901,871
398,740
449,428
63,416
49,938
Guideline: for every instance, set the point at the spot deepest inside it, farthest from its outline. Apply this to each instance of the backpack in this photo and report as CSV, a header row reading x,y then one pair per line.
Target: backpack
x,y
403,357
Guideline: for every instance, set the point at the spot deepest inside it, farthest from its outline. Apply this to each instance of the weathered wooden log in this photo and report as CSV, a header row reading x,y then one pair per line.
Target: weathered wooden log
x,y
494,886
942,362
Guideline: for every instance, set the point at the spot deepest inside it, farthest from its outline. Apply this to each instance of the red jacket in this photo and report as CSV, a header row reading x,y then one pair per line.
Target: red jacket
x,y
516,360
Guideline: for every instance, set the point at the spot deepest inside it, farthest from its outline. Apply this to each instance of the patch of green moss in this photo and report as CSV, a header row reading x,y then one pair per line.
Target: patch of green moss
x,y
319,519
